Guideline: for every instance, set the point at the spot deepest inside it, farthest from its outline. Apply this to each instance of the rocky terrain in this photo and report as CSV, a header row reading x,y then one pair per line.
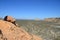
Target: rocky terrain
x,y
48,30
40,29
9,31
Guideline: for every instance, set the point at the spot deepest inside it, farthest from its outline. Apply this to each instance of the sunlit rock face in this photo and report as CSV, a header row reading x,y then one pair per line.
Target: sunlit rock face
x,y
8,31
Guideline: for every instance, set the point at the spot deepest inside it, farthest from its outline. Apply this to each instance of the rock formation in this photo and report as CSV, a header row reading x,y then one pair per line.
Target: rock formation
x,y
52,19
10,19
9,31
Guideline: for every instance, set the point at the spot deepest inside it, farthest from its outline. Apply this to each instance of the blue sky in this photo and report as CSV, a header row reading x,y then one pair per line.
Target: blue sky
x,y
30,9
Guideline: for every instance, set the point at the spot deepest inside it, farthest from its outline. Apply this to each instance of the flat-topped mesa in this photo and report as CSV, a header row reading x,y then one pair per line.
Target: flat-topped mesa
x,y
52,19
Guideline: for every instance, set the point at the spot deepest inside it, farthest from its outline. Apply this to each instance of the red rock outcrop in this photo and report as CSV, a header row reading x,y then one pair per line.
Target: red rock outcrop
x,y
8,31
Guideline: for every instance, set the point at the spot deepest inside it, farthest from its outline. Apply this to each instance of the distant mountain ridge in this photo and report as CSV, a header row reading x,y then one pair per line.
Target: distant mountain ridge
x,y
52,19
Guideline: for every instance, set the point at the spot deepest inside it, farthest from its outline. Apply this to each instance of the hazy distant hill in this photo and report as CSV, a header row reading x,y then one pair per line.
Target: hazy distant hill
x,y
52,19
0,18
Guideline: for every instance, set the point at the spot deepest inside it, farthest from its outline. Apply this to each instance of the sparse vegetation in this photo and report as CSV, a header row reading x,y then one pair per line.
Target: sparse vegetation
x,y
47,30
